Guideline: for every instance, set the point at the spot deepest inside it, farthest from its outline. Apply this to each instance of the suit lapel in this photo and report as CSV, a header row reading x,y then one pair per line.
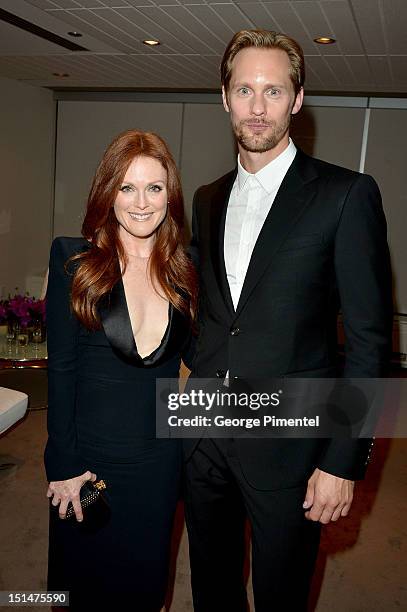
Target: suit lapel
x,y
219,206
115,319
294,195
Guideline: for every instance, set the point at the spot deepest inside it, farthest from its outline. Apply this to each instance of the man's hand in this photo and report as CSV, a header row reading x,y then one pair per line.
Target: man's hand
x,y
328,497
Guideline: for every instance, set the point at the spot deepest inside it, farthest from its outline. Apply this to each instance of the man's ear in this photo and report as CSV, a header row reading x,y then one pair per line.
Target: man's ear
x,y
225,100
299,98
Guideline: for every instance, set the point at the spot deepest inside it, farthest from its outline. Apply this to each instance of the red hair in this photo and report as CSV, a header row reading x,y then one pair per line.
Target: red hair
x,y
98,268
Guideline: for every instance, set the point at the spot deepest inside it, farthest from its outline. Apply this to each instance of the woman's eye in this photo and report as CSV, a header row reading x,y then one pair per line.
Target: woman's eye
x,y
155,188
125,188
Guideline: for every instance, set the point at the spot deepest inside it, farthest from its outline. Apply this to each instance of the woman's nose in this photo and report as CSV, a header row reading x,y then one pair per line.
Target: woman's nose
x,y
141,201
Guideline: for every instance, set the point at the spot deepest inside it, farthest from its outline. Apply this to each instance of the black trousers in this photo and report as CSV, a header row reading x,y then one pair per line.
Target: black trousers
x,y
284,543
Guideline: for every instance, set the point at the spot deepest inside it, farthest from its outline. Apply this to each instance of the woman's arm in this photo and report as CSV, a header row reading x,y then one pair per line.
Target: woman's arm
x,y
62,460
65,469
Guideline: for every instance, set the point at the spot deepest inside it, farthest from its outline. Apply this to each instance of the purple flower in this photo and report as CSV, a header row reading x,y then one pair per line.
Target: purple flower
x,y
24,309
19,305
3,312
37,310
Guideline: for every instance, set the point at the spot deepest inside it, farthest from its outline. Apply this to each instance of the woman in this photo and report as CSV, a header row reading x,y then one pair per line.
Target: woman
x,y
119,310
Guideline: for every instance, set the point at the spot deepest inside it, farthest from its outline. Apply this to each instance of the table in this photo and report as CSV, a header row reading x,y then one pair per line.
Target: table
x,y
15,356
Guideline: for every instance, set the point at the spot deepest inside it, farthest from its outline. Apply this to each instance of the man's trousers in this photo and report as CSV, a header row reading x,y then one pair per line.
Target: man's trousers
x,y
284,543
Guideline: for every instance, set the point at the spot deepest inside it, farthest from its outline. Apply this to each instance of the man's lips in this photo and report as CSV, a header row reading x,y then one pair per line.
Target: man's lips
x,y
257,127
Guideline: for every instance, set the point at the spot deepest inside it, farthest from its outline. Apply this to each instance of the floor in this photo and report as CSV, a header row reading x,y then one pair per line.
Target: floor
x,y
362,566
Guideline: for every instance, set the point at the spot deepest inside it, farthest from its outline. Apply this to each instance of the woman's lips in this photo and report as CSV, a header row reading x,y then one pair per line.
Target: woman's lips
x,y
140,216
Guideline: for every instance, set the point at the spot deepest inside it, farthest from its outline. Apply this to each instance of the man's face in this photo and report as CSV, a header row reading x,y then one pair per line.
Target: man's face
x,y
261,98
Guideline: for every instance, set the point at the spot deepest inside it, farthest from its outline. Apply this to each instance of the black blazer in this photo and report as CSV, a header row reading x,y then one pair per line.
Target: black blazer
x,y
101,393
322,248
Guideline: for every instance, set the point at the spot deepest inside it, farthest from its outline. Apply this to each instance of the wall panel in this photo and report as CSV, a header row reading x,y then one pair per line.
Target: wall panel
x,y
85,129
333,134
208,148
386,157
199,134
27,123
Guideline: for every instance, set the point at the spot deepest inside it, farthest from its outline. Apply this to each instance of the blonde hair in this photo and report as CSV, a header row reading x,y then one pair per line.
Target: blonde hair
x,y
264,39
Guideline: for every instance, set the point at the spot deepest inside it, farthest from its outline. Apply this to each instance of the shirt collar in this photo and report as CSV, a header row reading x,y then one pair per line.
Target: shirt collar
x,y
273,173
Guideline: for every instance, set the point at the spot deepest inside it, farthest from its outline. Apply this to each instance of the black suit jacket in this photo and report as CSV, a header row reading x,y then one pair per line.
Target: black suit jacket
x,y
322,247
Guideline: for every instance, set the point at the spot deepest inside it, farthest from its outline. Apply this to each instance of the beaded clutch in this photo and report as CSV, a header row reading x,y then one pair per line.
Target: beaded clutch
x,y
90,494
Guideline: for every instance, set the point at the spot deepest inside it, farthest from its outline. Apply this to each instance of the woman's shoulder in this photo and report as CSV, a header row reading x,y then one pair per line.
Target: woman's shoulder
x,y
63,248
66,246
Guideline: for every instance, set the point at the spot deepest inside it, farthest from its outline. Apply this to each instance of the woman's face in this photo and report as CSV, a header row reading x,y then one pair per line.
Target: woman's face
x,y
141,203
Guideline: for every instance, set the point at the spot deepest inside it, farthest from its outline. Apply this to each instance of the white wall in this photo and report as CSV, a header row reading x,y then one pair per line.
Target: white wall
x,y
198,131
84,130
208,148
386,158
27,118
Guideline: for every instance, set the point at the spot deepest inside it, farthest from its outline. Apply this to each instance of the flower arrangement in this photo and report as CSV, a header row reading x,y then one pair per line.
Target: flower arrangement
x,y
22,309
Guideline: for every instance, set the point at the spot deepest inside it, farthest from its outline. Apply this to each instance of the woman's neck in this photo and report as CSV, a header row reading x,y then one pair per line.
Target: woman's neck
x,y
137,247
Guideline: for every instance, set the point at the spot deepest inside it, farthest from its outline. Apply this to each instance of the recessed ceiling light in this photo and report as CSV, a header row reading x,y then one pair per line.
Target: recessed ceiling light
x,y
151,43
61,75
75,34
324,40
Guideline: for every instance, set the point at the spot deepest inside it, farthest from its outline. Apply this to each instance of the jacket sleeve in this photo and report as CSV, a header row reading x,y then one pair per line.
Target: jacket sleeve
x,y
62,460
188,352
193,249
364,283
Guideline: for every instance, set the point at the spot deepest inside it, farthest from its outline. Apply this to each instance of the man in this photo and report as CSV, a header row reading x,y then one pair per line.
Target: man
x,y
282,242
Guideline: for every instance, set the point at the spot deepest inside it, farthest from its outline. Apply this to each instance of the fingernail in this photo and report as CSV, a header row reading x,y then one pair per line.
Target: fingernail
x,y
305,505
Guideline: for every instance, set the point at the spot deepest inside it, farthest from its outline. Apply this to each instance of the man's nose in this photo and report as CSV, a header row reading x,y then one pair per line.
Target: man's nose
x,y
258,104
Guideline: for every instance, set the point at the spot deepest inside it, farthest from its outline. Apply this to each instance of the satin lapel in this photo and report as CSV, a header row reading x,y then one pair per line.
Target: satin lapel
x,y
295,193
116,322
219,206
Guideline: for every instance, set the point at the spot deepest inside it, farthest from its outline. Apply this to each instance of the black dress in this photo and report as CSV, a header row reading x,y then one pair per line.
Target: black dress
x,y
101,417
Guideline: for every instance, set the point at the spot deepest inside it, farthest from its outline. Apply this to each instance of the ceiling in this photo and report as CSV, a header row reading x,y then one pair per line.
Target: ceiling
x,y
370,55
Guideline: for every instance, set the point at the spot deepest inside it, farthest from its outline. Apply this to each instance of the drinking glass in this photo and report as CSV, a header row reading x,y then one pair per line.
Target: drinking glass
x,y
22,338
37,338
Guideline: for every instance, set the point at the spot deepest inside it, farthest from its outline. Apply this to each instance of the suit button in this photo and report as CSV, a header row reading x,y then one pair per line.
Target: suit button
x,y
235,331
220,373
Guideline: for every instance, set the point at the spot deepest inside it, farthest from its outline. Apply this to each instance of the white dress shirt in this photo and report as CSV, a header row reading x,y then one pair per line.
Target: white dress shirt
x,y
250,201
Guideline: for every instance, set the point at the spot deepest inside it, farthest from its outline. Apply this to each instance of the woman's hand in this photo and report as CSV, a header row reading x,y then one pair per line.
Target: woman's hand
x,y
65,491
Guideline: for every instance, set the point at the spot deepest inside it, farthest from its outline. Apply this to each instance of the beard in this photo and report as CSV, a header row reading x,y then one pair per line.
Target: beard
x,y
260,143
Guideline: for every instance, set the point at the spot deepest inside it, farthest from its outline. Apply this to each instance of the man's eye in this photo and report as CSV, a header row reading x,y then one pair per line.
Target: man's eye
x,y
244,91
274,92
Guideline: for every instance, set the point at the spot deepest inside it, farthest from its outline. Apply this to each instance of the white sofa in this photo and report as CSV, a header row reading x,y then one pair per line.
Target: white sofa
x,y
13,406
